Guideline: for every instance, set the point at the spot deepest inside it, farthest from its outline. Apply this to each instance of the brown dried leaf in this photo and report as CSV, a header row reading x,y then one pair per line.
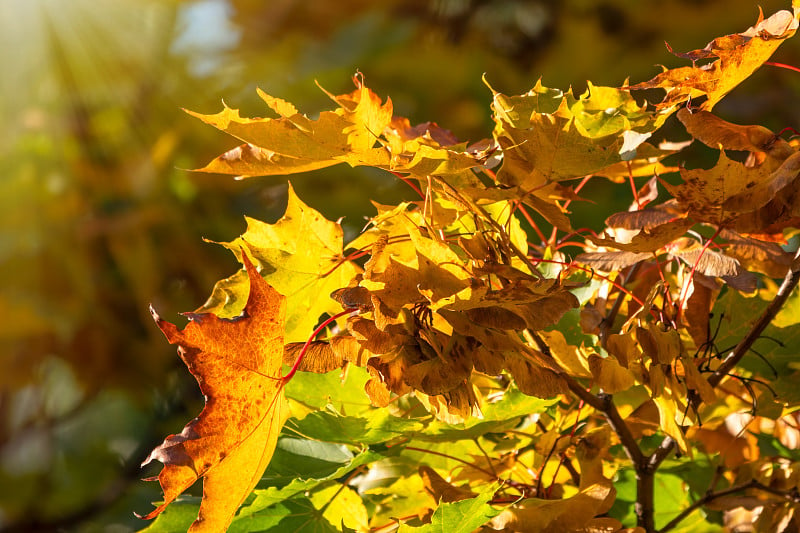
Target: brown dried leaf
x,y
715,132
556,516
353,298
761,256
641,219
441,490
441,374
709,262
496,317
612,261
325,356
548,310
535,380
649,240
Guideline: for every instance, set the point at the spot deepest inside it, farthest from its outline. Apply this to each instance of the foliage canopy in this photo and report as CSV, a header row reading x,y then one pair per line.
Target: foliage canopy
x,y
522,374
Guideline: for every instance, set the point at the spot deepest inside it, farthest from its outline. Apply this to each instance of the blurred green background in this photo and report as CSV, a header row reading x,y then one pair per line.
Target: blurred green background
x,y
98,218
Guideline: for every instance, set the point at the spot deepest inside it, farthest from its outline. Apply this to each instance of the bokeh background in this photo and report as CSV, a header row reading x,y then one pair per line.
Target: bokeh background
x,y
98,217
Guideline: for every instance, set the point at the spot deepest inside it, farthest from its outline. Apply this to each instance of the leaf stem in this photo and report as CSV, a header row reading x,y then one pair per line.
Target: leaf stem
x,y
608,320
782,65
577,189
408,182
530,220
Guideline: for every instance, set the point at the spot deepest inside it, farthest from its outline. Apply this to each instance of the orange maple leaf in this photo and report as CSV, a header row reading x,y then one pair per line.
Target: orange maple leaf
x,y
237,363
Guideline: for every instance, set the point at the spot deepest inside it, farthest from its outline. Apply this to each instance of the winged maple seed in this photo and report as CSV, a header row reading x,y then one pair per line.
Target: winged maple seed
x,y
237,363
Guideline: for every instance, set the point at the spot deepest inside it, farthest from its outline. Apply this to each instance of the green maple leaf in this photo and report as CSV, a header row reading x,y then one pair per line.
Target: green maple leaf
x,y
459,517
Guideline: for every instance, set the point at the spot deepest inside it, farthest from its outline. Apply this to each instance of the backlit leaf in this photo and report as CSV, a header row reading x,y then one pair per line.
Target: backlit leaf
x,y
556,516
735,57
458,517
610,375
715,132
547,135
301,254
237,363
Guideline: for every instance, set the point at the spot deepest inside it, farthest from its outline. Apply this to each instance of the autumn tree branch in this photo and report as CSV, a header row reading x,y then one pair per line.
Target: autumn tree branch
x,y
790,281
789,495
603,403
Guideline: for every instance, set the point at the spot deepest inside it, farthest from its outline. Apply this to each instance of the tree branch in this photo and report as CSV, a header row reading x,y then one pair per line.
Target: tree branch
x,y
790,281
786,288
603,403
629,444
791,495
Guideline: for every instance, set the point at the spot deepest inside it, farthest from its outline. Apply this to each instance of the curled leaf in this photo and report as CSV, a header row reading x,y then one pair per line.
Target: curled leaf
x,y
735,57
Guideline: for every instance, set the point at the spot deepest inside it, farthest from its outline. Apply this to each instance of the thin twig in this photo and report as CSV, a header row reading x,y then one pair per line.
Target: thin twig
x,y
605,404
608,320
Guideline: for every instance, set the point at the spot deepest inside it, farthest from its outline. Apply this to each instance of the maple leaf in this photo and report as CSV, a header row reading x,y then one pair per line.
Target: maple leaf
x,y
547,135
649,239
745,198
715,132
237,363
361,131
554,516
757,255
735,56
461,516
295,143
302,254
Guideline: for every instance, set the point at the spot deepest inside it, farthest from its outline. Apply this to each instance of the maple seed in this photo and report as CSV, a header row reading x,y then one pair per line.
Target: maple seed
x,y
311,338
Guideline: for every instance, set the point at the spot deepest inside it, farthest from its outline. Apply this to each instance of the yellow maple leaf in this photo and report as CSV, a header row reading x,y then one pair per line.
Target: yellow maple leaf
x,y
361,131
302,254
736,57
237,363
